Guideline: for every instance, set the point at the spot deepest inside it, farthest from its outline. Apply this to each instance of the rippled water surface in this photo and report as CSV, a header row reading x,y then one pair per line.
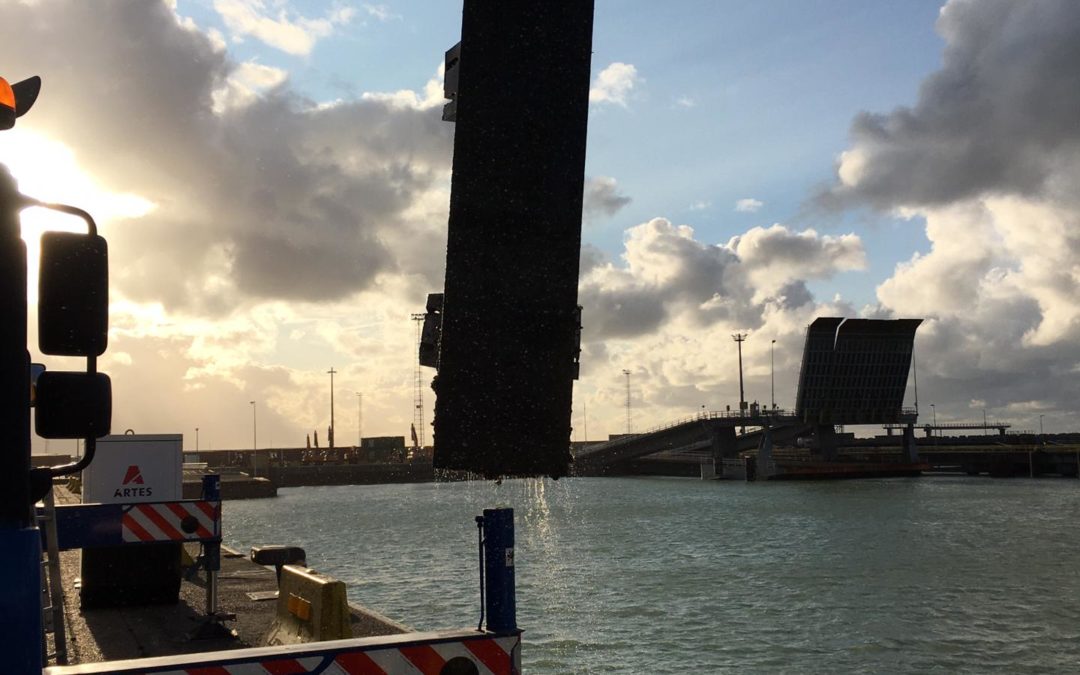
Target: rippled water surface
x,y
655,575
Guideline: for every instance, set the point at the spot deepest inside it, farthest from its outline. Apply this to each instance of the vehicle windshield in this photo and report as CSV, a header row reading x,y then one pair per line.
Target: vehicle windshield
x,y
278,184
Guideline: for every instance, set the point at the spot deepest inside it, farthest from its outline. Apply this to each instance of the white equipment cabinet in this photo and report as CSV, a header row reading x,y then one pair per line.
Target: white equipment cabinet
x,y
135,468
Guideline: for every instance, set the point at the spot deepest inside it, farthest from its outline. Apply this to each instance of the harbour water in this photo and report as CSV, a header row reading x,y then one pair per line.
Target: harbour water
x,y
654,575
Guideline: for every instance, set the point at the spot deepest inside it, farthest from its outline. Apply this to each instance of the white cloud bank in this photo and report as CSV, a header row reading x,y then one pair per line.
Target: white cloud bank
x,y
989,156
280,29
288,236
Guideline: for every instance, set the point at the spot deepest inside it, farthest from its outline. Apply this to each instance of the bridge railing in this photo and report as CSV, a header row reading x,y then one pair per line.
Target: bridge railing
x,y
749,417
755,419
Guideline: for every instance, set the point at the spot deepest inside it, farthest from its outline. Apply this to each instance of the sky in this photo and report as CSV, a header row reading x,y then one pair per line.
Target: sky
x,y
273,180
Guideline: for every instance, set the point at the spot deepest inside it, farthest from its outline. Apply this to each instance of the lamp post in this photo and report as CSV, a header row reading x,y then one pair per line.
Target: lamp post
x,y
196,439
629,425
739,338
585,421
985,428
359,420
934,410
254,441
330,440
772,373
1040,427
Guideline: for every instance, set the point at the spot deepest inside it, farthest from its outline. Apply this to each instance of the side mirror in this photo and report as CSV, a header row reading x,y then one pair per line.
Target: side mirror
x,y
73,295
73,405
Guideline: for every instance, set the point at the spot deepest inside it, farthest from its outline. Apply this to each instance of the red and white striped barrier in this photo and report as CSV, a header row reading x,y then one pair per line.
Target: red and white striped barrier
x,y
171,521
406,654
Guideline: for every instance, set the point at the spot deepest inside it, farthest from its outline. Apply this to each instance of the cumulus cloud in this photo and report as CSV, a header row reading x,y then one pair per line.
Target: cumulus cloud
x,y
988,158
282,29
430,97
259,195
668,275
244,85
775,255
998,118
602,198
614,84
668,307
748,205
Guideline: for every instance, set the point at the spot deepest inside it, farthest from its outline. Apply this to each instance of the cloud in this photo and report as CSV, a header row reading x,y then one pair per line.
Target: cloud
x,y
700,205
204,373
999,118
748,205
602,198
685,102
614,84
987,157
431,97
244,85
259,193
291,34
668,313
776,255
669,275
591,258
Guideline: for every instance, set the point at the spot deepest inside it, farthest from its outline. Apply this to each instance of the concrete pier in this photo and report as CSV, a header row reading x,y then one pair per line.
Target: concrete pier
x,y
96,635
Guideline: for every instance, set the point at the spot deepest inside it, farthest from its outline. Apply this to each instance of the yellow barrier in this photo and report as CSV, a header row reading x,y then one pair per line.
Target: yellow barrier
x,y
311,607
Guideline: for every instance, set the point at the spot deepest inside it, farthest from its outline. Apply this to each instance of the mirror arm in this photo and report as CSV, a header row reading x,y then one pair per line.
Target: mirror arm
x,y
89,448
63,208
89,444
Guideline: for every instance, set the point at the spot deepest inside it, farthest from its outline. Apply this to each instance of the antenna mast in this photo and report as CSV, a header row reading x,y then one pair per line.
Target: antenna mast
x,y
418,384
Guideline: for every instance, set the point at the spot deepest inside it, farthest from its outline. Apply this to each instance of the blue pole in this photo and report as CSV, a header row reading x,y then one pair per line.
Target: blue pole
x,y
500,600
211,487
20,600
211,492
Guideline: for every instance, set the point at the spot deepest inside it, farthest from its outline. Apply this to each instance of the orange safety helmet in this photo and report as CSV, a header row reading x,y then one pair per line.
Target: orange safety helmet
x,y
16,99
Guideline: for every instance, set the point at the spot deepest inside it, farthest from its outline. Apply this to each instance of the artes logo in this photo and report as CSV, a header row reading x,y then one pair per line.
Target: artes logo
x,y
133,477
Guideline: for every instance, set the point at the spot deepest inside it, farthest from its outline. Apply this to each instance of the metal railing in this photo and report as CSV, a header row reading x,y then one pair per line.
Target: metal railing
x,y
750,419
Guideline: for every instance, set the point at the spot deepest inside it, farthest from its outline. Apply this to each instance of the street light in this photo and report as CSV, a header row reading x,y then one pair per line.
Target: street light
x,y
359,420
331,372
1040,426
772,372
629,426
739,338
254,442
196,439
934,410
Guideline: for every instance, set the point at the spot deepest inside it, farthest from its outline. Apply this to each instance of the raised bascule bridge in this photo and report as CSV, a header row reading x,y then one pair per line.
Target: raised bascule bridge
x,y
854,372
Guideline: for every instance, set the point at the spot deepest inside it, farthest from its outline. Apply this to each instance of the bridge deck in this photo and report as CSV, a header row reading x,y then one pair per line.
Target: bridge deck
x,y
690,435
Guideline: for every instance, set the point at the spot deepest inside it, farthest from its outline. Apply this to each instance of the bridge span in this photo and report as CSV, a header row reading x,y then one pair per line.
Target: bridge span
x,y
707,435
854,372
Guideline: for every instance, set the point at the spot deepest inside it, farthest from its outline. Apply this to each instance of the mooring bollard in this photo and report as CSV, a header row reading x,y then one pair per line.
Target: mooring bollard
x,y
500,601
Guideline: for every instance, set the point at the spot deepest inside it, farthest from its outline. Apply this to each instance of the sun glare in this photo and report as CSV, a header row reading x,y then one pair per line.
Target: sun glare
x,y
47,170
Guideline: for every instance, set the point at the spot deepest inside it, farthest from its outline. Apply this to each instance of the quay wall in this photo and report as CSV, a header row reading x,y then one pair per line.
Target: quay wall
x,y
350,474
